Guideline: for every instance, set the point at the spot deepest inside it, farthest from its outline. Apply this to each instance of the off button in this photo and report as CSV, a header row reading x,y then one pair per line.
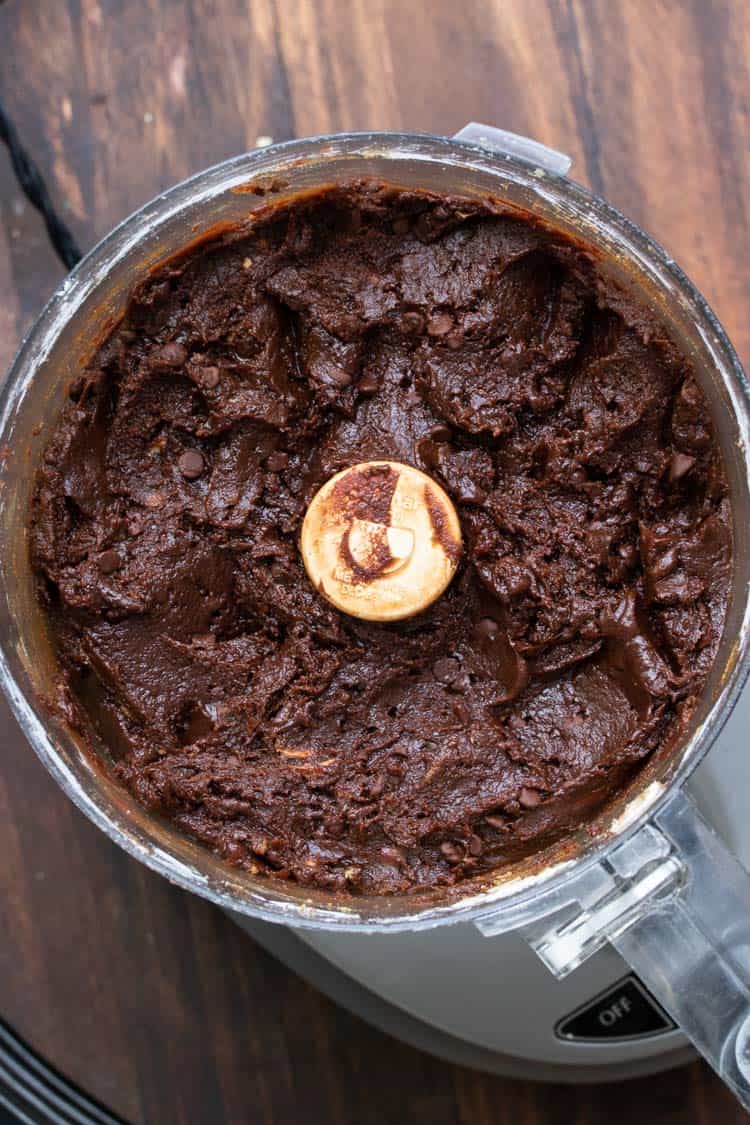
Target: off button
x,y
626,1010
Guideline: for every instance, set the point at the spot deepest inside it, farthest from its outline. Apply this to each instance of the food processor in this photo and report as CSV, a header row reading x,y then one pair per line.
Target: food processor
x,y
606,953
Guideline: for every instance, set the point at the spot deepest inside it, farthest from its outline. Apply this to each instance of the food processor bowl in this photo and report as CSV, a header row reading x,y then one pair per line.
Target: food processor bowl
x,y
591,887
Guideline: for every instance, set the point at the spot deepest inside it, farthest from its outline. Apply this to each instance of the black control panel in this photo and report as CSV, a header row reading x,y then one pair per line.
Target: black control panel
x,y
625,1010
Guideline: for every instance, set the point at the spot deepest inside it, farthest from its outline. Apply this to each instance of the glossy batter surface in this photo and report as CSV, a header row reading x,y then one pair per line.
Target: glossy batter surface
x,y
370,324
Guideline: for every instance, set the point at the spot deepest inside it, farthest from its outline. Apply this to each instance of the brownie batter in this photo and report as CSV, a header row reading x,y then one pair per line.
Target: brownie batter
x,y
368,323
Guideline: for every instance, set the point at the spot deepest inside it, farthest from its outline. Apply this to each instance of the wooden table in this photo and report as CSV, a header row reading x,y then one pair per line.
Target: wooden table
x,y
151,999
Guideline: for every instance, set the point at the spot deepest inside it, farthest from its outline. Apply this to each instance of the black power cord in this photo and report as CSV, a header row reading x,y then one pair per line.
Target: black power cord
x,y
34,188
34,1093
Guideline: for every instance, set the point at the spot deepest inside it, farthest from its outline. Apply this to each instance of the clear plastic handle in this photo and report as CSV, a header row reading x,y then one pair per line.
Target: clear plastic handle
x,y
676,904
500,140
693,949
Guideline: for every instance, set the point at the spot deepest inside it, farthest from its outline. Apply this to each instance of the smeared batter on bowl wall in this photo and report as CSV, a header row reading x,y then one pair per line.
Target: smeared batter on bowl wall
x,y
366,323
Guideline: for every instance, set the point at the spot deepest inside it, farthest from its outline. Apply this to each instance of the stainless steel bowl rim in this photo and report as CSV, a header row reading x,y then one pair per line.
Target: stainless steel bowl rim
x,y
515,898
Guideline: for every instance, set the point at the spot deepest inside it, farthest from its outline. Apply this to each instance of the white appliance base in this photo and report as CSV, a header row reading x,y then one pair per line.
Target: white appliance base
x,y
296,954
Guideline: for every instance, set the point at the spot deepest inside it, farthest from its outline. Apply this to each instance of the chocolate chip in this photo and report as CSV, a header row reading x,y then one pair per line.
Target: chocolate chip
x,y
452,853
394,854
439,433
446,670
338,376
209,377
429,452
171,355
486,629
475,845
191,464
468,493
412,323
440,324
401,225
679,466
109,562
277,461
529,798
496,821
368,384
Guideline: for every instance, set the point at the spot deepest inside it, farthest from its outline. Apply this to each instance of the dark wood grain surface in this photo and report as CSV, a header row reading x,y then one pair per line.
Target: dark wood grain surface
x,y
148,998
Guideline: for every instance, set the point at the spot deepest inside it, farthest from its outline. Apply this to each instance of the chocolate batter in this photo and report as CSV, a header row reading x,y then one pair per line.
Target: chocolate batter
x,y
366,323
